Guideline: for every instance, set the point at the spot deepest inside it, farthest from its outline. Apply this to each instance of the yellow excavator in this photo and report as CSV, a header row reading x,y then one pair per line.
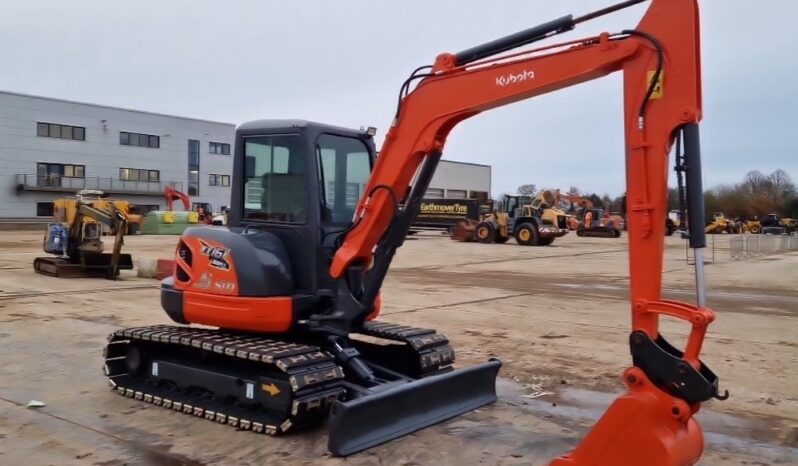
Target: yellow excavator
x,y
77,245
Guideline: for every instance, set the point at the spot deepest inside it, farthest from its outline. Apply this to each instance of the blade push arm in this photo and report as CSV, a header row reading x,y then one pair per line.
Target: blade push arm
x,y
652,424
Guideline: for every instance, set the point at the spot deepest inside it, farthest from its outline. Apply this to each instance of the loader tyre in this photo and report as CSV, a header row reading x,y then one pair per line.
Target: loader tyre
x,y
755,230
527,235
545,241
485,233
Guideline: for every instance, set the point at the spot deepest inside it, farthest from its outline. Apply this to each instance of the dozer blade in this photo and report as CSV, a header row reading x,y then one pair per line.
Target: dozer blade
x,y
377,418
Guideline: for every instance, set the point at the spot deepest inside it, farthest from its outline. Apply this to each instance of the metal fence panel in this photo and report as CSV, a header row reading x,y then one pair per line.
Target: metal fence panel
x,y
751,246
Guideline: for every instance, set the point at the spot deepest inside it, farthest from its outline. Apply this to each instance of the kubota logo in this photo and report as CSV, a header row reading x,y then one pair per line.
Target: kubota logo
x,y
508,79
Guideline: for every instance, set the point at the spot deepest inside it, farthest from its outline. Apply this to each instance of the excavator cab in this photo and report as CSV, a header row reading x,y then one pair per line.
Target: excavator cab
x,y
300,182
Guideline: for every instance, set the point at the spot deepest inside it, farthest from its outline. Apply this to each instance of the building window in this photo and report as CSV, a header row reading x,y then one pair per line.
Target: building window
x,y
51,174
477,194
434,193
139,174
456,193
218,180
54,130
139,140
193,167
219,148
44,209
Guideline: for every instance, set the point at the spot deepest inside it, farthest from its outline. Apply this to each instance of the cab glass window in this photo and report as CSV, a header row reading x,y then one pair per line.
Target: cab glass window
x,y
275,179
344,168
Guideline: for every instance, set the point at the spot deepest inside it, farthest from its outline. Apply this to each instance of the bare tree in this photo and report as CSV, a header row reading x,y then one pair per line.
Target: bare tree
x,y
781,183
754,182
527,189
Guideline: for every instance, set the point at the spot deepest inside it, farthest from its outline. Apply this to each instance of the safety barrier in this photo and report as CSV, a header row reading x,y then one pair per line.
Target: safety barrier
x,y
744,247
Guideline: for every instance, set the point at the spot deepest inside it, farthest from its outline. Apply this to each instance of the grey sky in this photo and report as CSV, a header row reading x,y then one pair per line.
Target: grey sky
x,y
343,62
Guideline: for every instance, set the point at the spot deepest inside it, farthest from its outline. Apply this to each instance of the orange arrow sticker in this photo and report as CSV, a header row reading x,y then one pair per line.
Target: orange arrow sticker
x,y
271,389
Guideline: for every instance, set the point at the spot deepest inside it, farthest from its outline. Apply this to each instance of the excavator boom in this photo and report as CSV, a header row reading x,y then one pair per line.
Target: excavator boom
x,y
660,61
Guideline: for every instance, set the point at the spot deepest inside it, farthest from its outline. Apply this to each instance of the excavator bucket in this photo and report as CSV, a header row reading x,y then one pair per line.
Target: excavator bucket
x,y
464,231
400,410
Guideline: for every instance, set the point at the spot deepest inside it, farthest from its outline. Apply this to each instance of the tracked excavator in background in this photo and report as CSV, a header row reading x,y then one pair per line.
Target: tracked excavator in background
x,y
594,222
287,290
77,248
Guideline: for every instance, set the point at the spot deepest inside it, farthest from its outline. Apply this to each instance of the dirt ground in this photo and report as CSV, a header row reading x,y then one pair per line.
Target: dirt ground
x,y
558,318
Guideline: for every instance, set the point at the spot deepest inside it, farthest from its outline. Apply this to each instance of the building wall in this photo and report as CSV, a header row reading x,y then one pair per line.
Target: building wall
x,y
454,179
101,153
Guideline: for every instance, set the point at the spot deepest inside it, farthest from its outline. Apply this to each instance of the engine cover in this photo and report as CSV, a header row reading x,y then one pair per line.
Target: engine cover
x,y
230,261
232,278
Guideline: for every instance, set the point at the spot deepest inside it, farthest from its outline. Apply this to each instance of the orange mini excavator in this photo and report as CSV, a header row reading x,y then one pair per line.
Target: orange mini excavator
x,y
286,291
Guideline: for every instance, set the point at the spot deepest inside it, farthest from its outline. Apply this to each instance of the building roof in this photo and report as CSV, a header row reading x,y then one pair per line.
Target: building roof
x,y
53,99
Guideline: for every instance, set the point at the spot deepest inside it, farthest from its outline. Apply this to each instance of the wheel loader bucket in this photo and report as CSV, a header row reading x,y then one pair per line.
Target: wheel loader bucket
x,y
464,231
374,419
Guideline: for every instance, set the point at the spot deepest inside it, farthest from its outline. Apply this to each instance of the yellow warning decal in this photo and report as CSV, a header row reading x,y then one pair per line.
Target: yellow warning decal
x,y
657,93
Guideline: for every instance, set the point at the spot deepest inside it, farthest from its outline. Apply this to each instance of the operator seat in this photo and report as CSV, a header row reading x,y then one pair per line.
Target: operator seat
x,y
284,197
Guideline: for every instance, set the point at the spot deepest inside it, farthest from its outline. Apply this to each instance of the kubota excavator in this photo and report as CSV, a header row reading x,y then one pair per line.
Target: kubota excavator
x,y
294,280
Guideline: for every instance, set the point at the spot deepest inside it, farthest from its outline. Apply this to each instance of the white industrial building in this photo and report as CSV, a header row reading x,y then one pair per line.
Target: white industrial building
x,y
51,148
460,180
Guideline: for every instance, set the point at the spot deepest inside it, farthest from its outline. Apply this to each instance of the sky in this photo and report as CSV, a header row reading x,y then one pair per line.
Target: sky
x,y
342,62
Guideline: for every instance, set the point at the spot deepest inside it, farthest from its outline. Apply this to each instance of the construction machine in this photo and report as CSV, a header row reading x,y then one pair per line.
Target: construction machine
x,y
721,224
530,220
288,290
593,221
671,226
171,194
65,209
202,210
773,224
77,245
751,225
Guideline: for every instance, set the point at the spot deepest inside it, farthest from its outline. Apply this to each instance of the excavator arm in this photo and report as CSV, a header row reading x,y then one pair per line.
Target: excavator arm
x,y
112,218
171,195
576,199
653,423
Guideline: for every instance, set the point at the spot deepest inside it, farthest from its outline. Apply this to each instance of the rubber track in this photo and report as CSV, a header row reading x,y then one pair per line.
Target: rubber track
x,y
315,380
431,348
